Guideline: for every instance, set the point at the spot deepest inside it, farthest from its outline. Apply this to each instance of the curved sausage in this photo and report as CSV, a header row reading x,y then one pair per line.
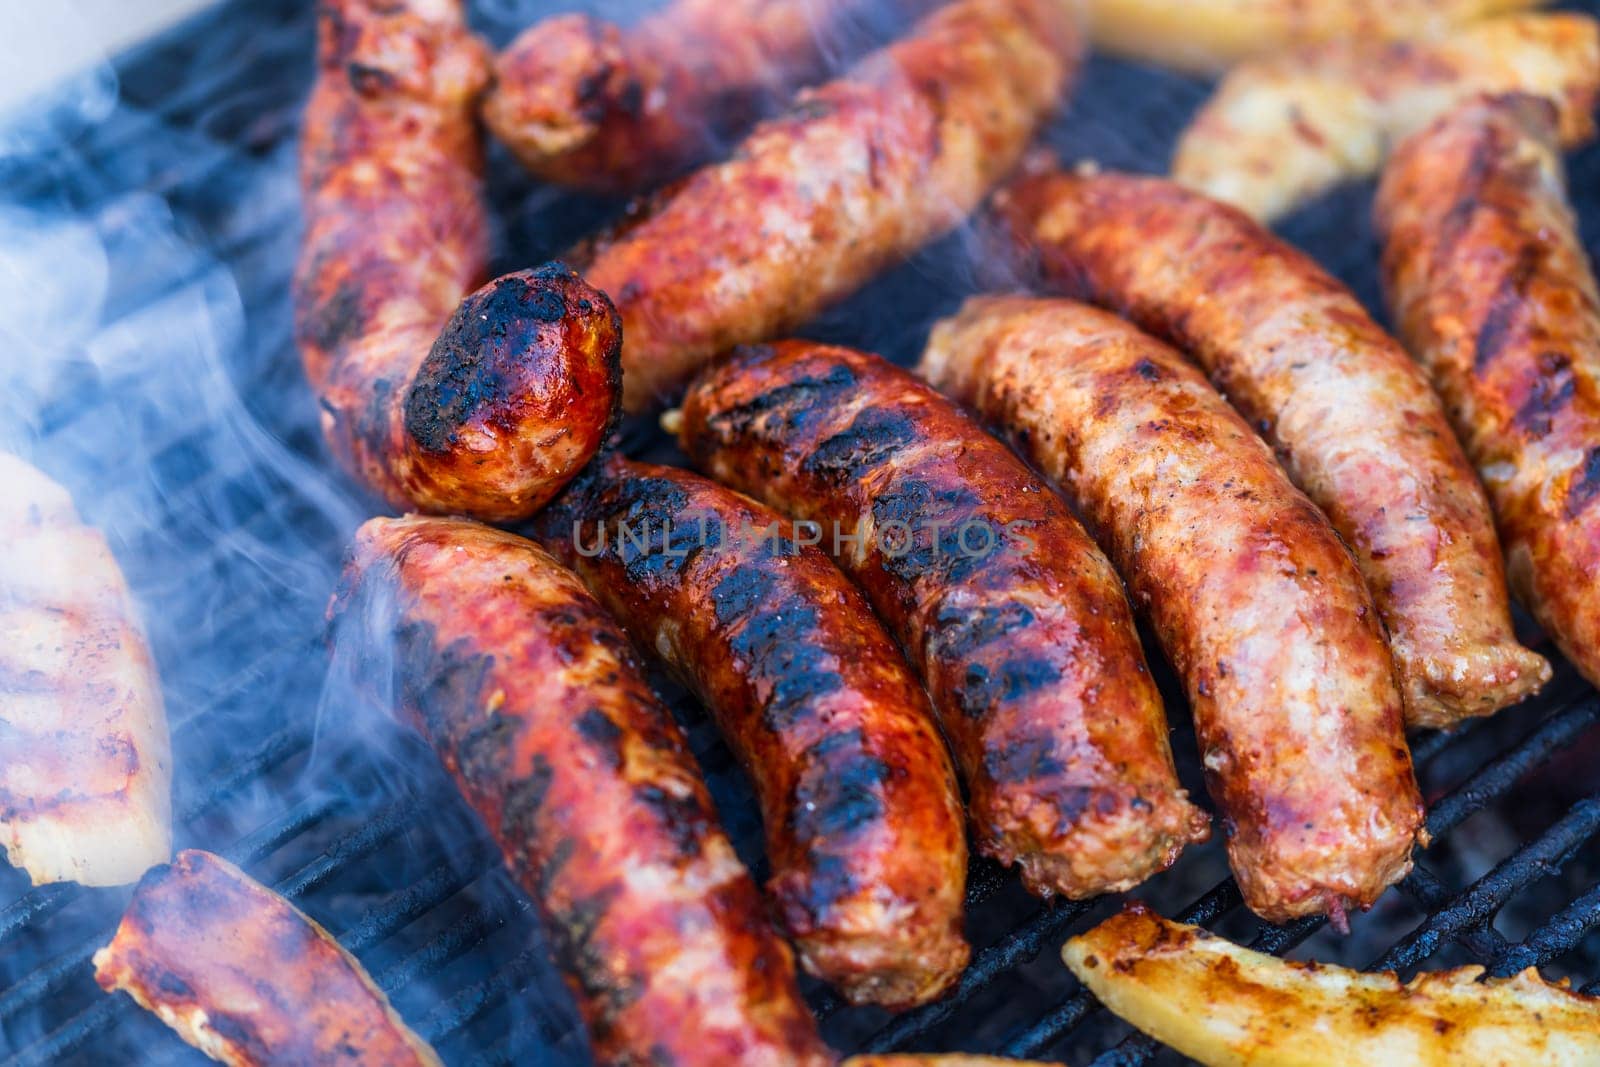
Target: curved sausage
x,y
85,755
535,704
488,410
864,823
1282,130
590,104
1352,419
1493,293
1257,603
1016,621
857,175
196,942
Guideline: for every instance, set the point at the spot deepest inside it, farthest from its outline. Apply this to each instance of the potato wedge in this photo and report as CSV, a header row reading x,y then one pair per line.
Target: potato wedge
x,y
1227,1006
1207,36
935,1059
1279,131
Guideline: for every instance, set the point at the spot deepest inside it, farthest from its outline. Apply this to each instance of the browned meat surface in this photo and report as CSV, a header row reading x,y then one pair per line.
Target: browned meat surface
x,y
534,701
488,408
1493,293
246,977
85,760
1016,621
1257,603
1353,420
591,104
865,829
854,177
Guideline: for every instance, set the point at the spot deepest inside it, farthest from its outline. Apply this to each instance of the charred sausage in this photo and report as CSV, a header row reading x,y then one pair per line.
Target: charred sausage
x,y
196,942
864,822
856,175
587,103
487,408
1353,420
1283,129
1016,621
1257,603
535,704
85,756
1488,280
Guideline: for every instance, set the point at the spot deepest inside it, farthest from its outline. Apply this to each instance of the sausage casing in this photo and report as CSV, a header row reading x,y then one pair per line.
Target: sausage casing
x,y
865,830
856,175
487,408
1493,293
587,103
1352,419
1014,618
1285,128
1257,603
535,704
199,937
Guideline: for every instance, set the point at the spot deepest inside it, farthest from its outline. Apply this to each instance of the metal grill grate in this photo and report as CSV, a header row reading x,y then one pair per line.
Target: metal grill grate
x,y
168,396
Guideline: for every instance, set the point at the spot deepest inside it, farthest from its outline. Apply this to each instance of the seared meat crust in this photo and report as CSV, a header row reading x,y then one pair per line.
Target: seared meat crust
x,y
246,977
1352,419
590,104
864,824
857,175
487,408
534,701
1256,601
1015,620
1488,280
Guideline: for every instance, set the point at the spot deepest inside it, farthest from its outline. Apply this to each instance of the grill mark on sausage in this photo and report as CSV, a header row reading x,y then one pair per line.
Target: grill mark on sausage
x,y
984,688
471,366
795,399
773,644
1551,391
873,437
846,798
1507,302
1585,485
965,630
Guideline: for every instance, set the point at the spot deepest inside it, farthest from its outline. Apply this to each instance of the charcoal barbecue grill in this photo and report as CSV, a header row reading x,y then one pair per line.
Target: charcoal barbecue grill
x,y
150,219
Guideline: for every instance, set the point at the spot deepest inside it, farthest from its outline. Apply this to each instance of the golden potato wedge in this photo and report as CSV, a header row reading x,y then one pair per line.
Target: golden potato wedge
x,y
935,1059
1207,36
1279,131
1227,1006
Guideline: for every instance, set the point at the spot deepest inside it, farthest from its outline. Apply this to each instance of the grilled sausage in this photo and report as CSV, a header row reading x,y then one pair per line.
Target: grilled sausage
x,y
857,175
1281,130
534,702
196,942
1210,37
85,760
1351,417
590,104
488,410
1257,603
1016,621
864,823
1488,280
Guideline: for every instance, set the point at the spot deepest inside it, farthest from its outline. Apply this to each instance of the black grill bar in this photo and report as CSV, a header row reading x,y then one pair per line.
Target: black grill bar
x,y
1478,905
1559,935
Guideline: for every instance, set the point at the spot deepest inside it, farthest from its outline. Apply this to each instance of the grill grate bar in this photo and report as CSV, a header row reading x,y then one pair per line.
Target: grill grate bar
x,y
1021,944
1478,905
1557,936
461,936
